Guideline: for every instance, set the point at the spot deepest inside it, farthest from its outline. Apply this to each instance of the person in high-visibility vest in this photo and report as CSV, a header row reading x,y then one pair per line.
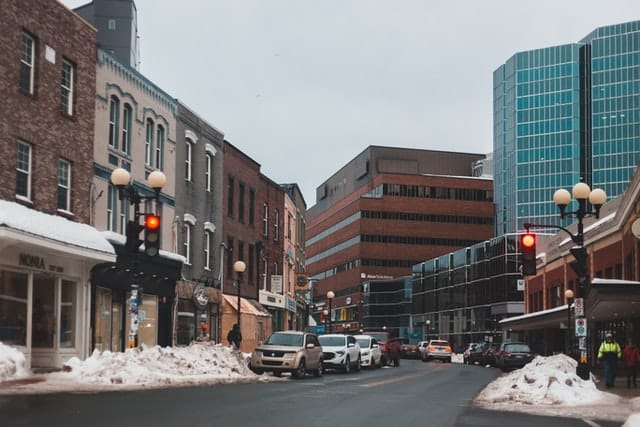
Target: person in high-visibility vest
x,y
609,353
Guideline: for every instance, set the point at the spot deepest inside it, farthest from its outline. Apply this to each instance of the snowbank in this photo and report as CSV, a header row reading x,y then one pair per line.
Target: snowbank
x,y
13,365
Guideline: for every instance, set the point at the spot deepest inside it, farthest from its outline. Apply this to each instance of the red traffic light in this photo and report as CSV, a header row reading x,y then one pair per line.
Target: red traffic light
x,y
152,222
528,240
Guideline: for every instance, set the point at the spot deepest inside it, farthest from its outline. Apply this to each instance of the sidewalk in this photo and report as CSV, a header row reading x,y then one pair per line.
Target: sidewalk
x,y
620,387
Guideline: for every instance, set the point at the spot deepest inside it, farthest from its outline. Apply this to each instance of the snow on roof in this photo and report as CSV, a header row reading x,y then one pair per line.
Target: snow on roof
x,y
30,221
534,314
592,226
121,239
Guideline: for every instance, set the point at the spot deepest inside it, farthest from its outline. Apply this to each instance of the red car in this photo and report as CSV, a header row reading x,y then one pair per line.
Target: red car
x,y
390,346
409,351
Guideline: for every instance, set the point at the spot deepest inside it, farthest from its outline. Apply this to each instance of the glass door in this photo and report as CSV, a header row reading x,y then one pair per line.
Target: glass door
x,y
102,316
44,313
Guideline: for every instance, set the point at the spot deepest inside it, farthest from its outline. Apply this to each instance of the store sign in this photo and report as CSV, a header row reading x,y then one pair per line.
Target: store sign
x,y
34,261
276,283
200,297
291,304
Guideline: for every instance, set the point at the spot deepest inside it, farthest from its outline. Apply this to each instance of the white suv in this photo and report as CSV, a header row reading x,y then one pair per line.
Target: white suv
x,y
340,351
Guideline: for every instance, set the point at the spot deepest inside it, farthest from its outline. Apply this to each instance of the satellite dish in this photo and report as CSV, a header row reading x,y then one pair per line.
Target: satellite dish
x,y
635,228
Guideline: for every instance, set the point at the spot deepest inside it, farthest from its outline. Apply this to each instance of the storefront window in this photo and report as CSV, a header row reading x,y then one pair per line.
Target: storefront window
x,y
67,314
186,331
102,315
44,320
147,320
116,322
13,308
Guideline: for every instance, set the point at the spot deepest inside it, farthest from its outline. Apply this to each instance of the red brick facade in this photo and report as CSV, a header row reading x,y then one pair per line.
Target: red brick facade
x,y
37,118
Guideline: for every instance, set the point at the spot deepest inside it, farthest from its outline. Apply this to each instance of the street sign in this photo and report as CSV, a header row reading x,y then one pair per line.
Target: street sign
x,y
520,285
578,305
581,327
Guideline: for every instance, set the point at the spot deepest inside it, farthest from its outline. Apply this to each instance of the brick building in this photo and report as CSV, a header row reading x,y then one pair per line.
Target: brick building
x,y
385,211
46,166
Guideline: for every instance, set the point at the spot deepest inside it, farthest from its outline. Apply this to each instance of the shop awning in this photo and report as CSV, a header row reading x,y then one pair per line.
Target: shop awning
x,y
20,225
246,306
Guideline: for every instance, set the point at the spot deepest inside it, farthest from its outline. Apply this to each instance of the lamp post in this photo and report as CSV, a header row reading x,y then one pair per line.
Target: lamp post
x,y
596,198
568,296
126,191
239,267
330,296
326,320
428,325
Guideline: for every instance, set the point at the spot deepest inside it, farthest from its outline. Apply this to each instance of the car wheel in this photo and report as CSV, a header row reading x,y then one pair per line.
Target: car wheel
x,y
257,371
347,365
318,372
277,374
358,365
449,360
301,371
383,361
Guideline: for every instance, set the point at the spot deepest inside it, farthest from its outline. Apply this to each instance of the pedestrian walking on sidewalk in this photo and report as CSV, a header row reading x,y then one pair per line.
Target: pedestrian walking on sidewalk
x,y
609,353
234,336
630,361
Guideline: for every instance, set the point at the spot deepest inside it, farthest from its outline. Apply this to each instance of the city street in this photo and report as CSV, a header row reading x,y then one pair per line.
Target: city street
x,y
414,394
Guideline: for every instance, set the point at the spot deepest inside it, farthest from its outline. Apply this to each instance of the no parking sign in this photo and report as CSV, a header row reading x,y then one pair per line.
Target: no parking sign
x,y
581,327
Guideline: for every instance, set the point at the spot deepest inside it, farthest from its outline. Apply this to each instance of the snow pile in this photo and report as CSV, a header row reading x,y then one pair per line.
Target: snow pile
x,y
12,364
545,381
196,364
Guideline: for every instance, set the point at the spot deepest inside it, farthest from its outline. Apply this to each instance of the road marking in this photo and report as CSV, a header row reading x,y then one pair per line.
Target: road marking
x,y
394,380
591,423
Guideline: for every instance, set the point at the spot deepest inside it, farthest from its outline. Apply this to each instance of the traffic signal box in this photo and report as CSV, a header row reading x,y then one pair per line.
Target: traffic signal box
x,y
133,236
152,235
528,254
580,266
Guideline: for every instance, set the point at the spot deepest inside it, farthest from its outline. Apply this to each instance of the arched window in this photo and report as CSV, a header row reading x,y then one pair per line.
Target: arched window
x,y
208,170
114,121
188,160
265,220
127,118
276,225
148,143
159,148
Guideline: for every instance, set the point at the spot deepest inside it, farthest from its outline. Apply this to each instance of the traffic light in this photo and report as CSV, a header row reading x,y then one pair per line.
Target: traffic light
x,y
580,266
528,254
133,236
151,235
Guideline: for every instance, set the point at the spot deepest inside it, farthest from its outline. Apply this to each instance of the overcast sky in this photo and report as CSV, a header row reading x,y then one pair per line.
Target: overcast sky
x,y
304,86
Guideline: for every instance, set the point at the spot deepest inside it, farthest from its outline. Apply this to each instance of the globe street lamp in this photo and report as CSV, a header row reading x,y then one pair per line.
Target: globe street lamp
x,y
239,267
596,198
325,312
568,296
428,324
330,296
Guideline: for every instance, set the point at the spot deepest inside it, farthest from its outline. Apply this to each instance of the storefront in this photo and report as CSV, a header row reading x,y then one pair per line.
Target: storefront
x,y
197,313
275,304
45,264
154,279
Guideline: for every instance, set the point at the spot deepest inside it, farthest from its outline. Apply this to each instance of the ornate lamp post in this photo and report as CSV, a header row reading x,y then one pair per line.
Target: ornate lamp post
x,y
568,296
330,297
596,198
239,267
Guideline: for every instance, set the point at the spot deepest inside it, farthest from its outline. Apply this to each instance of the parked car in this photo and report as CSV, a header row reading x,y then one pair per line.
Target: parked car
x,y
422,347
409,351
513,355
390,347
484,354
340,351
466,355
288,351
437,349
370,351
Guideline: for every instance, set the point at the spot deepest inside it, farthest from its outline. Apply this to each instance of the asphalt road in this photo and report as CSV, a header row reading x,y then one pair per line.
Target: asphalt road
x,y
414,394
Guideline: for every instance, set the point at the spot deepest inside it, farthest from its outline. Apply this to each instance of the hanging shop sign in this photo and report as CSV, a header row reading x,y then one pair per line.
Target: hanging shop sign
x,y
200,297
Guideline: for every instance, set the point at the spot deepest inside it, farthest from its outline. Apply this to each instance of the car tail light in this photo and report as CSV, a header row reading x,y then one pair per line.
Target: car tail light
x,y
505,354
432,347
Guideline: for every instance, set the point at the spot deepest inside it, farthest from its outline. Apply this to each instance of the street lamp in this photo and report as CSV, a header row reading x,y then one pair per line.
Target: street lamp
x,y
239,267
325,312
428,323
597,197
126,191
568,296
330,296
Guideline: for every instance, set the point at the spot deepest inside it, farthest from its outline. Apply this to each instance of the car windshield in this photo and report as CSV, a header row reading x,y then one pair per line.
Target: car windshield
x,y
293,340
363,342
440,343
517,348
329,341
381,336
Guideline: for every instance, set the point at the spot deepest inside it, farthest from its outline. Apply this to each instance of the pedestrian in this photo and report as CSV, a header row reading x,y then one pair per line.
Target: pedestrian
x,y
630,360
609,353
234,336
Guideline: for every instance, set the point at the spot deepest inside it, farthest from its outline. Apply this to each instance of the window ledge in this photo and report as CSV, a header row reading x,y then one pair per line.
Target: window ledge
x,y
24,200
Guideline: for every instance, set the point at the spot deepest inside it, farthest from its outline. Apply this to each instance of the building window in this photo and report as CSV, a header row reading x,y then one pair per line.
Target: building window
x,y
265,220
123,216
112,203
208,241
127,117
252,205
241,202
67,87
276,224
27,63
14,299
289,221
23,171
148,143
188,160
188,229
230,188
114,119
208,171
64,185
67,314
111,24
160,148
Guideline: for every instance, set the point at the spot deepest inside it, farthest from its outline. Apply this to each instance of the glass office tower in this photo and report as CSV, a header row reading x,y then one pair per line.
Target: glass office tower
x,y
562,114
